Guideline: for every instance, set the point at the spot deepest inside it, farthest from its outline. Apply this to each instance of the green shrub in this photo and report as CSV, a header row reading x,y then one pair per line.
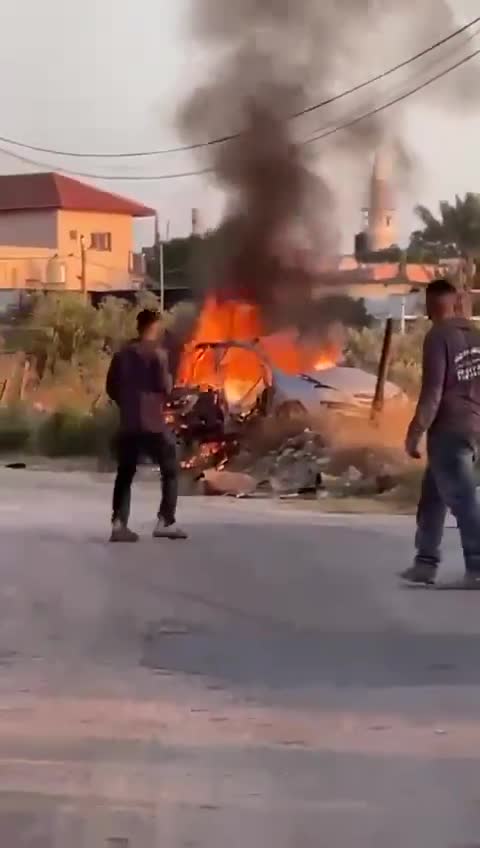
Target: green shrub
x,y
364,349
15,429
104,423
66,433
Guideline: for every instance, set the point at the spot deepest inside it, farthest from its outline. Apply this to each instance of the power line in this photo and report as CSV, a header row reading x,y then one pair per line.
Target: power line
x,y
394,101
400,89
321,135
390,71
109,177
222,139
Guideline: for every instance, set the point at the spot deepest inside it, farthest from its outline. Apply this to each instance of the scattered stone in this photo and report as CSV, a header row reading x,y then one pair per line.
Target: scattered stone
x,y
306,465
385,483
297,475
352,475
227,483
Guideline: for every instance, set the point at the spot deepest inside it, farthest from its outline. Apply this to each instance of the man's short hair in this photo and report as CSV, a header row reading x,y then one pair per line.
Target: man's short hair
x,y
146,318
440,288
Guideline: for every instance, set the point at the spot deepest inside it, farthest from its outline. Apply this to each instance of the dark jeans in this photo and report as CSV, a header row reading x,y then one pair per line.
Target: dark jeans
x,y
449,482
161,449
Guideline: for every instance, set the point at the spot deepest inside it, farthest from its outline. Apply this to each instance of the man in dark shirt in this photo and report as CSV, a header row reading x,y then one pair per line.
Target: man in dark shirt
x,y
448,411
139,382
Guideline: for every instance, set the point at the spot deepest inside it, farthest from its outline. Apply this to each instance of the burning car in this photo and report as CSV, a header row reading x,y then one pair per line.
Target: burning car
x,y
232,371
242,382
347,390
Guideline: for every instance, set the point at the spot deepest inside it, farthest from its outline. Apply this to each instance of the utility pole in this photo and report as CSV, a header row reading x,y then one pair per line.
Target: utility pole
x,y
162,275
378,400
83,266
161,270
403,315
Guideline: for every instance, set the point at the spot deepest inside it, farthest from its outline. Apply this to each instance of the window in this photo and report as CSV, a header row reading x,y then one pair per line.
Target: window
x,y
101,241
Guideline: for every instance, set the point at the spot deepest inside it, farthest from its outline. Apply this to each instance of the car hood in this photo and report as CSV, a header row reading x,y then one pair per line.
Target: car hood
x,y
353,381
339,385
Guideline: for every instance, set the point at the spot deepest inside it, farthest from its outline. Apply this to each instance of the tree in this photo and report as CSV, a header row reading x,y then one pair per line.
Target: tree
x,y
363,350
179,258
455,232
58,328
343,309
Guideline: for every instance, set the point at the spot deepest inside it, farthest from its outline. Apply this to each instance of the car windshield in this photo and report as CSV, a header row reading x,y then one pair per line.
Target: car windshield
x,y
237,370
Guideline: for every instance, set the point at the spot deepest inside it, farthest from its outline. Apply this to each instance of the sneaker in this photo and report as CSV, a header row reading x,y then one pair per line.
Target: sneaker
x,y
121,533
168,531
419,574
468,582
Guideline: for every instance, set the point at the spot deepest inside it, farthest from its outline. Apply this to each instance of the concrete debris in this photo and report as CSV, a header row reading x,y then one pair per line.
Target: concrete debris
x,y
227,483
352,475
307,465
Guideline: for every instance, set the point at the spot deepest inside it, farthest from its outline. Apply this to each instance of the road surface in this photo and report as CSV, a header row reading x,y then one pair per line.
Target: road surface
x,y
265,684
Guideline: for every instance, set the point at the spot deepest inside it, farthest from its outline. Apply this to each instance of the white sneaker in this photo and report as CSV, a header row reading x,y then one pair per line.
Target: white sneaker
x,y
168,531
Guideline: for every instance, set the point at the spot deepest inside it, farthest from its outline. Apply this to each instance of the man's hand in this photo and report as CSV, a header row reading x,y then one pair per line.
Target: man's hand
x,y
412,446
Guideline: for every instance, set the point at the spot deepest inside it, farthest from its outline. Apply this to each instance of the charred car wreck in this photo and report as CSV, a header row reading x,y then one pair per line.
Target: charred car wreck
x,y
231,383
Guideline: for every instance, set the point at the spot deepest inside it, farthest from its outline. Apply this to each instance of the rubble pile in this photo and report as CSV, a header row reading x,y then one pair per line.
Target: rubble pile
x,y
295,467
308,464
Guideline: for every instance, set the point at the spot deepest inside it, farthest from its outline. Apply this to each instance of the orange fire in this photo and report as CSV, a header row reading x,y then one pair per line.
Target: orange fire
x,y
240,371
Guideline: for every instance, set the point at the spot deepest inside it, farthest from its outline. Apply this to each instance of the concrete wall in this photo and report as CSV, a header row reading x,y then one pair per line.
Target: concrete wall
x,y
23,267
105,268
30,240
29,229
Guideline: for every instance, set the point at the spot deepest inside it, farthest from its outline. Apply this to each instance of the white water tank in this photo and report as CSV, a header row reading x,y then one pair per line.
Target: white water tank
x,y
56,273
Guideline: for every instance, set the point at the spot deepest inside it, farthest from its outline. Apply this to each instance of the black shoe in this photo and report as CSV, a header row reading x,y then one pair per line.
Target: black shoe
x,y
122,533
419,574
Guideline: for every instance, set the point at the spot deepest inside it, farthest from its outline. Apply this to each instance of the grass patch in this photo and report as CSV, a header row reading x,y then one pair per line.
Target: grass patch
x,y
69,433
402,500
15,429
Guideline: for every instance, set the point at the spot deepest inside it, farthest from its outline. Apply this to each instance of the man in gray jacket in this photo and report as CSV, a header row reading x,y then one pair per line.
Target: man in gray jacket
x,y
448,411
139,383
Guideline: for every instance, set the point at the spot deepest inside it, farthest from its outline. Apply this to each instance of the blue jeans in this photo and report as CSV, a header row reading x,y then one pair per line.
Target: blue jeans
x,y
449,482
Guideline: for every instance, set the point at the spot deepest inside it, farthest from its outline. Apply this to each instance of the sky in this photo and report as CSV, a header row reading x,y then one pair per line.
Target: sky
x,y
109,75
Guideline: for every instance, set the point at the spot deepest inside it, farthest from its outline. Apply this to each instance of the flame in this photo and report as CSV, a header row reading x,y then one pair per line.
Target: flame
x,y
243,373
206,452
324,362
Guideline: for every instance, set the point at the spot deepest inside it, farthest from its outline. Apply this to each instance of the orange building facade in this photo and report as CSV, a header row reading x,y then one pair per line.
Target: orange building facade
x,y
59,233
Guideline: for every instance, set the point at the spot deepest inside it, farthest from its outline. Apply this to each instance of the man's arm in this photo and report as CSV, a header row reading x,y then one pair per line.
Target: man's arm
x,y
113,379
434,370
166,380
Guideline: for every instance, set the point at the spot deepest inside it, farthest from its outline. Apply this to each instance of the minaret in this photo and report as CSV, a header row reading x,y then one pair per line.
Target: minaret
x,y
196,224
380,224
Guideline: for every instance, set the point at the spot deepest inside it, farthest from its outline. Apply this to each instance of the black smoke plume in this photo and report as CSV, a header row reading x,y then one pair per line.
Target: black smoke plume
x,y
274,58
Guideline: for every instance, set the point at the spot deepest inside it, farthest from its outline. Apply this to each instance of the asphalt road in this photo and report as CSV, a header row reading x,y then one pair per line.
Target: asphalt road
x,y
265,684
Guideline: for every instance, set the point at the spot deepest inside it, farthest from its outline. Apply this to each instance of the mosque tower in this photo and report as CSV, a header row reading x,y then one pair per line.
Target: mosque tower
x,y
380,225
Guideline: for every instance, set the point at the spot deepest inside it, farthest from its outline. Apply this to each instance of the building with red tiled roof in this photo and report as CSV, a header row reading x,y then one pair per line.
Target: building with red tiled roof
x,y
59,232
